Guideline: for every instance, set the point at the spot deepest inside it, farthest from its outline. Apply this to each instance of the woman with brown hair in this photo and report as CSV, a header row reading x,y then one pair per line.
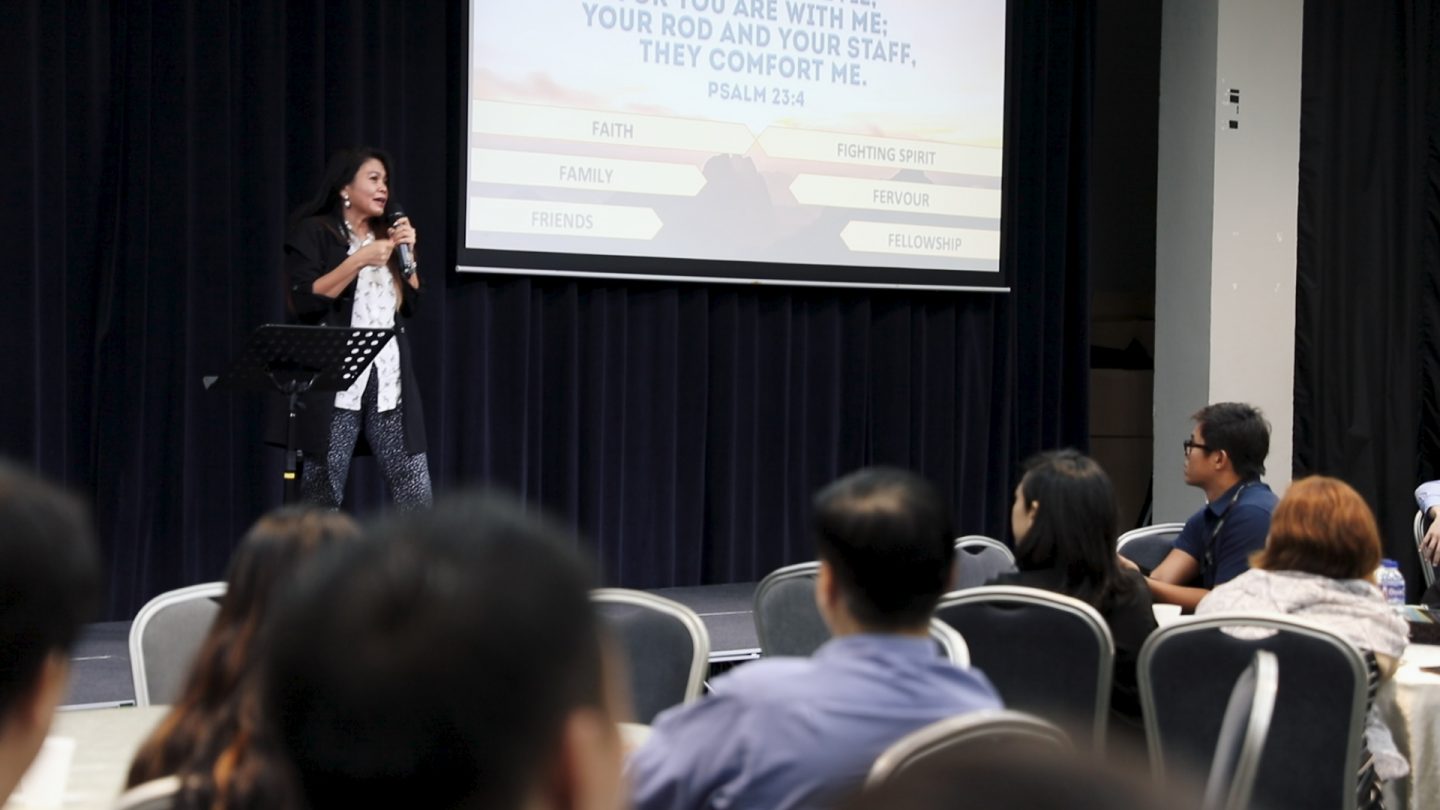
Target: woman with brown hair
x,y
212,740
1319,564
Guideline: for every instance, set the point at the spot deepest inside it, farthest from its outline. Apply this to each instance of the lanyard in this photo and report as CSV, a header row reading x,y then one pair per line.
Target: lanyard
x,y
1207,570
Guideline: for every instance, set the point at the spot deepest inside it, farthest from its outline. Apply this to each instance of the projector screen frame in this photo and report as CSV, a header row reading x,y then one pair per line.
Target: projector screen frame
x,y
479,261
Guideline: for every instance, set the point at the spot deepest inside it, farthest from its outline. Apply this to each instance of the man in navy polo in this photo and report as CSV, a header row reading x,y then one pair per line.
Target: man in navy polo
x,y
1225,457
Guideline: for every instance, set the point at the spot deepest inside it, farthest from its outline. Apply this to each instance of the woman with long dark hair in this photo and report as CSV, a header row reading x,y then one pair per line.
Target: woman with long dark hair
x,y
1063,519
343,268
214,738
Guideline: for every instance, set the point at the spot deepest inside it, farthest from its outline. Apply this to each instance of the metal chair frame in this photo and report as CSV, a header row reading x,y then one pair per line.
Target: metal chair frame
x,y
951,642
810,570
138,669
944,734
689,619
1092,619
1286,624
1246,727
981,541
1147,531
1426,569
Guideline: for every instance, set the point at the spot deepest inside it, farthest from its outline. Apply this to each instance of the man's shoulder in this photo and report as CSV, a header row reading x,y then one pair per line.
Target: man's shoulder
x,y
766,677
1257,496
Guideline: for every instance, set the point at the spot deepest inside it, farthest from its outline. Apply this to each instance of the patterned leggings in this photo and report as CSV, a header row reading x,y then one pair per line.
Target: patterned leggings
x,y
407,476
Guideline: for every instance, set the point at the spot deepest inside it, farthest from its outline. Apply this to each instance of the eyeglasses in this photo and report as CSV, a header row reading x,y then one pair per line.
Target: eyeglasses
x,y
1191,444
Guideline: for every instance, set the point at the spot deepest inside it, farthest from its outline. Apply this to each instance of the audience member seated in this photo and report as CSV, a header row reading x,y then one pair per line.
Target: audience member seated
x,y
450,659
785,733
1319,565
1009,779
1224,457
1064,524
49,586
1427,498
212,738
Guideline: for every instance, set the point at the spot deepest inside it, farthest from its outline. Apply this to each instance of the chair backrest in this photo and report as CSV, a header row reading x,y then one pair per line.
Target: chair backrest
x,y
1242,735
950,643
166,635
1046,653
665,642
979,559
1426,568
1312,753
1171,530
1148,546
787,621
157,794
977,732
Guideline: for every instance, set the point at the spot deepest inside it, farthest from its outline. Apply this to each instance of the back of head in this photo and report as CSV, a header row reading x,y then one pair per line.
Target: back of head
x,y
1073,528
435,661
49,578
208,738
888,537
1322,526
271,551
1241,431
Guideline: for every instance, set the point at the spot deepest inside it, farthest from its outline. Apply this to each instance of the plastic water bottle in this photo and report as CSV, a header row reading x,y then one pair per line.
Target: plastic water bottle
x,y
1392,582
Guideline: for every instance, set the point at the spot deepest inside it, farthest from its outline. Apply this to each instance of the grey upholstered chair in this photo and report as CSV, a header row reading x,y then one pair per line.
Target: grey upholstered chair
x,y
787,622
1148,546
979,559
1242,735
666,644
978,732
1046,653
1311,756
166,635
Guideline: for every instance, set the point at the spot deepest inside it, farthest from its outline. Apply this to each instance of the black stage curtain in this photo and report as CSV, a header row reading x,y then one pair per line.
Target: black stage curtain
x,y
1367,330
154,148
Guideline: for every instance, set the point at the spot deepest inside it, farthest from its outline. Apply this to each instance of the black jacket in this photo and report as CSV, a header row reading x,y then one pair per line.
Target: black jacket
x,y
314,247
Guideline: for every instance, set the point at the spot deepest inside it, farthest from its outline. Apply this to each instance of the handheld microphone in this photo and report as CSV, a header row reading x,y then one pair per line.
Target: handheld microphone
x,y
407,258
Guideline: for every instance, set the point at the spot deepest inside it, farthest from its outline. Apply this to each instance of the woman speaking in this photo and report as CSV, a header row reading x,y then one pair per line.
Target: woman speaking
x,y
343,267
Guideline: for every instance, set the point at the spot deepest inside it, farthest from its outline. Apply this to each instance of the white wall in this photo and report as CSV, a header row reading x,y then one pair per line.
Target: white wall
x,y
1225,226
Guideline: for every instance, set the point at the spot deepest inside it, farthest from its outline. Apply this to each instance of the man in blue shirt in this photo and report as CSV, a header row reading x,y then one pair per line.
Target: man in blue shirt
x,y
785,733
1225,457
1427,497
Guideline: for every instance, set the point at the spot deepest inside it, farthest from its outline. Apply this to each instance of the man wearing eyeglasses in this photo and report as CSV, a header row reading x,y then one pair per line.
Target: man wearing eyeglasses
x,y
1225,457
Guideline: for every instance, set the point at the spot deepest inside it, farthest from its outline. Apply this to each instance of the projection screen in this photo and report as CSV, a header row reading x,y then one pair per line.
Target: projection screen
x,y
844,142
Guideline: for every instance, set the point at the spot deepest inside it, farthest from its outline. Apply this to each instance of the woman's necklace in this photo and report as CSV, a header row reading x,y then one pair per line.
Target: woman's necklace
x,y
350,234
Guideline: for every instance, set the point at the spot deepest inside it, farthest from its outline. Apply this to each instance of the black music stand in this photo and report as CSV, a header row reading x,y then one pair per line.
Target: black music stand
x,y
295,360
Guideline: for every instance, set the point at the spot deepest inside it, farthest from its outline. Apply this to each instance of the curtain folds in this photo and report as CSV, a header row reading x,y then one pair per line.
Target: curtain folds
x,y
1367,327
156,148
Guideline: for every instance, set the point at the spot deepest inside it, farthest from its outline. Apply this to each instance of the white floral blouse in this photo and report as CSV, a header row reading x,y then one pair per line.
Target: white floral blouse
x,y
375,309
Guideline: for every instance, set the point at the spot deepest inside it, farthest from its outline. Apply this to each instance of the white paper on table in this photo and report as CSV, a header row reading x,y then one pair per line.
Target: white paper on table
x,y
43,785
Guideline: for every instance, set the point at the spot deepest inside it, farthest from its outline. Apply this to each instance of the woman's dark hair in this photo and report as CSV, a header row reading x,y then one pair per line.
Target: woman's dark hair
x,y
213,738
1074,526
1241,431
340,171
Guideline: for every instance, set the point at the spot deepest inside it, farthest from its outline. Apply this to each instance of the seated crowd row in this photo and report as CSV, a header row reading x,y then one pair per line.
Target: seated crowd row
x,y
453,658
